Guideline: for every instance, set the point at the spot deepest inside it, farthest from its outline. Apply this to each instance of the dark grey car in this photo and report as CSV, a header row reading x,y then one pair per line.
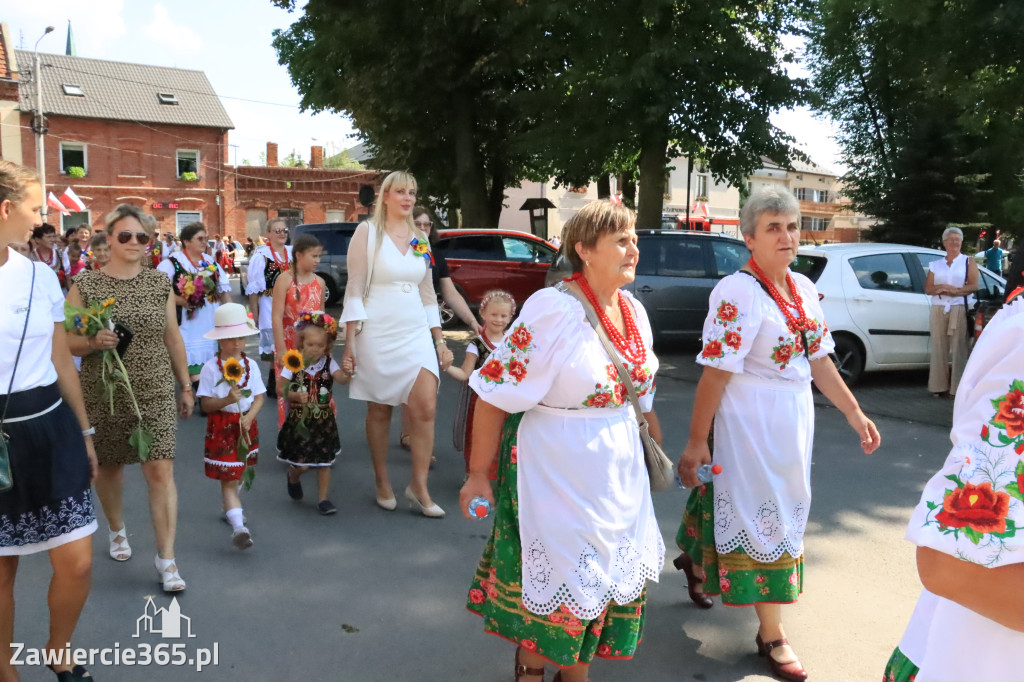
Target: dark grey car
x,y
676,273
333,267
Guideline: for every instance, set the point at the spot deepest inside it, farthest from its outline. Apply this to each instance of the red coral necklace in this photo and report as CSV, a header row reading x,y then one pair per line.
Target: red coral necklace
x,y
632,345
282,265
245,363
798,322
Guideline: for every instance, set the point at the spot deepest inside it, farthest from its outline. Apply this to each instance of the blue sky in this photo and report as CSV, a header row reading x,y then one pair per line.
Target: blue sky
x,y
230,41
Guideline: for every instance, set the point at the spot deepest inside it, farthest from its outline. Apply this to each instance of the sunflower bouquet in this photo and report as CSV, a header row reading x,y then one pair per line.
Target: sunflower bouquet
x,y
295,363
232,373
88,322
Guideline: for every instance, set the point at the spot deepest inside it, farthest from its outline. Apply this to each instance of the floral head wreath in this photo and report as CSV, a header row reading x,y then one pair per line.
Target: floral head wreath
x,y
317,318
500,294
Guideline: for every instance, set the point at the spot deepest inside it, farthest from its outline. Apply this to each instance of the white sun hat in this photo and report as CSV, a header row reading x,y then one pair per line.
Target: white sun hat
x,y
230,321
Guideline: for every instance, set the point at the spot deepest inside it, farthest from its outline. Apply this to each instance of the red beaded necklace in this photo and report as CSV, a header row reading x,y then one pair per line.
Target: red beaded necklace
x,y
282,265
797,323
245,363
632,345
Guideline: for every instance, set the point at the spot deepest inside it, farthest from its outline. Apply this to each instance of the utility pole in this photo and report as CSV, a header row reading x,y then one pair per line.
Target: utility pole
x,y
39,123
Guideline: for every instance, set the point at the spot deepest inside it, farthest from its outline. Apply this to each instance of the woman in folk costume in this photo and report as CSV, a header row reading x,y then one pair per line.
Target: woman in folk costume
x,y
765,340
969,525
575,539
265,266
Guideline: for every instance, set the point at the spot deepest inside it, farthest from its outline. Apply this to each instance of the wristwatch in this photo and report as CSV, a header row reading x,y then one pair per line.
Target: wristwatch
x,y
439,342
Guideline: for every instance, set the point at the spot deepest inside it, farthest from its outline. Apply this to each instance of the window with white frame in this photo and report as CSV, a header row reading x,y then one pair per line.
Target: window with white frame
x,y
702,185
811,224
75,219
802,193
73,155
188,161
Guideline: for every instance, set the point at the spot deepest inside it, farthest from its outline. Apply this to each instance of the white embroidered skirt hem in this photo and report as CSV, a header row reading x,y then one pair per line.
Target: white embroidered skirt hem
x,y
587,525
764,431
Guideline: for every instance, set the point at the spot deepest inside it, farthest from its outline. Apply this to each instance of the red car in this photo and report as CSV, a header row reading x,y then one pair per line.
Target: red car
x,y
479,260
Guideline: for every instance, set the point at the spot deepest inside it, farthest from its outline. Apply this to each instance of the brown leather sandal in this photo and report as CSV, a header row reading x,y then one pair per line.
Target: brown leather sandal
x,y
523,671
792,671
684,563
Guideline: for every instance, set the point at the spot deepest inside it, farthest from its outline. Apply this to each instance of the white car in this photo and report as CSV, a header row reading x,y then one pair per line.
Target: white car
x,y
874,302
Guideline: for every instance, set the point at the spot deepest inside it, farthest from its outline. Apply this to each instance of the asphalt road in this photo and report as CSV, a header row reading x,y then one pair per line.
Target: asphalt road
x,y
371,595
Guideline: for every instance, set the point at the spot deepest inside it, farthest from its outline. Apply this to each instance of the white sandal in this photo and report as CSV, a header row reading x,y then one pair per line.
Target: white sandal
x,y
172,582
119,549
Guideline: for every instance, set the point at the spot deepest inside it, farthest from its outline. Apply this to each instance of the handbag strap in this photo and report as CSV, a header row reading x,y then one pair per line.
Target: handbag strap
x,y
612,353
21,344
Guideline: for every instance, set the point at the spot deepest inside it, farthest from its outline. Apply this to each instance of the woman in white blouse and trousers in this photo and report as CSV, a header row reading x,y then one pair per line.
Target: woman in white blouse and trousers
x,y
951,284
393,338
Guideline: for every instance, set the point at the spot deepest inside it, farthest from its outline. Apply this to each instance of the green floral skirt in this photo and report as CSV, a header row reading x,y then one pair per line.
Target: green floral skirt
x,y
741,580
496,591
899,668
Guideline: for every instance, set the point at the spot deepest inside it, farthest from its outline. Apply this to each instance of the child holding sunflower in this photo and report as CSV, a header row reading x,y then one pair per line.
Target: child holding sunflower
x,y
309,436
231,392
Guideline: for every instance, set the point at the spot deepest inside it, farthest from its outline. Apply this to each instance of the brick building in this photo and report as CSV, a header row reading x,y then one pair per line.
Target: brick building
x,y
156,137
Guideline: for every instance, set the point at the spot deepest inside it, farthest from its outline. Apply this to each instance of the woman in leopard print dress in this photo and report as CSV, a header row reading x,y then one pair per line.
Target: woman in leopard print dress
x,y
154,357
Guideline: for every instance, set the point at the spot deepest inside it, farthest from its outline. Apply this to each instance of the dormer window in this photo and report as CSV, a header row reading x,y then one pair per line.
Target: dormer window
x,y
73,90
167,98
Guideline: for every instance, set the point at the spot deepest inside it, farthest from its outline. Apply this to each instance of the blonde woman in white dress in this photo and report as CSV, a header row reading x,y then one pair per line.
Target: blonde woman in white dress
x,y
393,340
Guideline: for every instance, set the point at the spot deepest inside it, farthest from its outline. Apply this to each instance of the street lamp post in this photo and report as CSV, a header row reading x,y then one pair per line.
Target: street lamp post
x,y
39,126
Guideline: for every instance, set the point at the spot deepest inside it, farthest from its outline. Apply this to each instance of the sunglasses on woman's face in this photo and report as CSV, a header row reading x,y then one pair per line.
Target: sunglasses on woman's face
x,y
141,237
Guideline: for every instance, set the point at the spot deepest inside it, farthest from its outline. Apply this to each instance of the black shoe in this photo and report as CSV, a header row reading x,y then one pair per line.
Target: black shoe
x,y
294,489
74,675
326,508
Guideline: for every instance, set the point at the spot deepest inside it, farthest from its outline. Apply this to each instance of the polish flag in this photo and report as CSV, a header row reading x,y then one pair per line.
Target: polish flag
x,y
700,207
53,202
71,200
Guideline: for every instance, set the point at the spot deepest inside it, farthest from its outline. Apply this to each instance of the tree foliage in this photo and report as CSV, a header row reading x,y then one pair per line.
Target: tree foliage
x,y
475,96
928,97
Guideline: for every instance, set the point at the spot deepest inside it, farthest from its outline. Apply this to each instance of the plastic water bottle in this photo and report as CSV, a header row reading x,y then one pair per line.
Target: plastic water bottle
x,y
479,508
705,474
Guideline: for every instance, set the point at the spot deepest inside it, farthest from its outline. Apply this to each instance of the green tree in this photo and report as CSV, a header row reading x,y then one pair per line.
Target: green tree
x,y
928,100
428,85
625,87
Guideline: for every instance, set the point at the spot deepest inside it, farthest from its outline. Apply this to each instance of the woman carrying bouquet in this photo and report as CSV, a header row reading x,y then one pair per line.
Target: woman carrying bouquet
x,y
153,354
200,285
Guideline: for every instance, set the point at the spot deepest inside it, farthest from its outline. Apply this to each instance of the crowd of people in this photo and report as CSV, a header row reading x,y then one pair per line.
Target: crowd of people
x,y
559,397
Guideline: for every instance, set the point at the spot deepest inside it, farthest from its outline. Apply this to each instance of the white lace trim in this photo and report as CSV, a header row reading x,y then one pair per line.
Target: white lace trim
x,y
588,589
766,536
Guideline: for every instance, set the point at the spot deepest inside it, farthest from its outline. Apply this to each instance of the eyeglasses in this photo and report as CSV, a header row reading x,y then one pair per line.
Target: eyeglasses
x,y
283,230
425,224
141,237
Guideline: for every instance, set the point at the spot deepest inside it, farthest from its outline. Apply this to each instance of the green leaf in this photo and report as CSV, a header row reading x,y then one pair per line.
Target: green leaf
x,y
246,392
248,476
972,535
142,441
242,450
1004,439
301,430
932,505
1020,468
955,479
1013,491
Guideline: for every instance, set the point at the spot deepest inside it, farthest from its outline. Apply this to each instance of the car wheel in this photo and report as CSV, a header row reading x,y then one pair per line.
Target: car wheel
x,y
333,294
848,358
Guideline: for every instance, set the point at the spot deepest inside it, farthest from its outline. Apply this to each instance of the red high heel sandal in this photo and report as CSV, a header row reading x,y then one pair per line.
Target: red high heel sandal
x,y
684,563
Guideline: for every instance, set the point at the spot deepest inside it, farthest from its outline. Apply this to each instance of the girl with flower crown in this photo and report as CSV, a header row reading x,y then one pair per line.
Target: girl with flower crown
x,y
309,436
231,393
497,308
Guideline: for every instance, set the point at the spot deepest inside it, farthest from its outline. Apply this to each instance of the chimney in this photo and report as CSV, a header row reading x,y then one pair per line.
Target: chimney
x,y
271,153
316,156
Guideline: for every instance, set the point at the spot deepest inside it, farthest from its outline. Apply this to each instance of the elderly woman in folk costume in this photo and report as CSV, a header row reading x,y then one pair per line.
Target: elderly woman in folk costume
x,y
575,539
765,340
969,525
265,265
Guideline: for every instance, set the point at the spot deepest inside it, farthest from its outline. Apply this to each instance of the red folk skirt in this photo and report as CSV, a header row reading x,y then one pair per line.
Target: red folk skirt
x,y
220,455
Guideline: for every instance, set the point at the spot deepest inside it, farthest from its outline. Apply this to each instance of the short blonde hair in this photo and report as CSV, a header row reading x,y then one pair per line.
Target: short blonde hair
x,y
14,181
122,211
593,220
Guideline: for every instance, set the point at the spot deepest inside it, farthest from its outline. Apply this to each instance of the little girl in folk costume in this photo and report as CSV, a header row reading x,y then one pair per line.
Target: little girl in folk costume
x,y
497,308
232,393
309,436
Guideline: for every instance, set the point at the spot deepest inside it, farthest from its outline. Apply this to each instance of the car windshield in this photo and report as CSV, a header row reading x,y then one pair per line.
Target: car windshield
x,y
809,266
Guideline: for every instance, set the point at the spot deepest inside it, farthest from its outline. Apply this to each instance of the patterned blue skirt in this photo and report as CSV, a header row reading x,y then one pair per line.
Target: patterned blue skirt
x,y
50,503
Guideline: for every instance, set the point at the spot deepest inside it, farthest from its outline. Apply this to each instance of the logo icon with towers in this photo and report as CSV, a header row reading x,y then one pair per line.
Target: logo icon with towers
x,y
169,623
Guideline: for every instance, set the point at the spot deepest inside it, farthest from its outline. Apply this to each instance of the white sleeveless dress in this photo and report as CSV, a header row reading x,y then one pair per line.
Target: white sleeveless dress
x,y
395,341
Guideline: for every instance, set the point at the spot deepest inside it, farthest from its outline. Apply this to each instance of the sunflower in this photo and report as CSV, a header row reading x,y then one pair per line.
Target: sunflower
x,y
109,302
293,361
233,371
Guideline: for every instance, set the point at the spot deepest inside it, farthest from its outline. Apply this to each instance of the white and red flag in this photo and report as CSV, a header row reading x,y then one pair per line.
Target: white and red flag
x,y
700,207
71,200
53,202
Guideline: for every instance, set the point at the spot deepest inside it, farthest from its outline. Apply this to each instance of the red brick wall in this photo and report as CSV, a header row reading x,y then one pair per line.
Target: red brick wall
x,y
136,164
